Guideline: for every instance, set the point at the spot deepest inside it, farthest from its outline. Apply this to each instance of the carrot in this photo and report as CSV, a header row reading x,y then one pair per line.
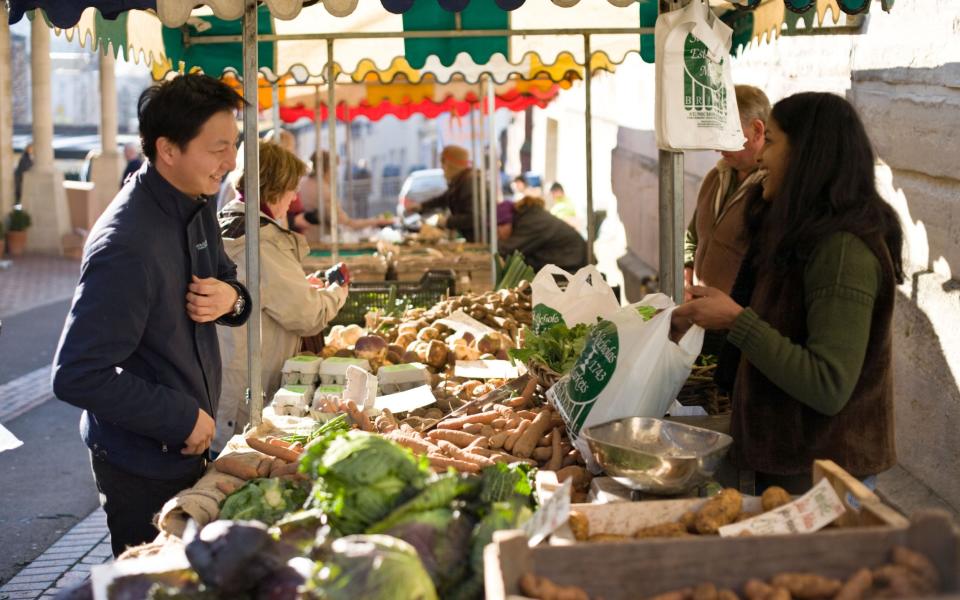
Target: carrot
x,y
497,439
296,447
498,423
556,456
236,466
453,451
275,441
474,428
263,469
528,440
515,435
358,417
545,440
277,464
481,442
514,422
482,418
227,487
444,462
460,438
412,441
526,396
581,479
542,453
487,431
268,448
527,414
505,411
287,469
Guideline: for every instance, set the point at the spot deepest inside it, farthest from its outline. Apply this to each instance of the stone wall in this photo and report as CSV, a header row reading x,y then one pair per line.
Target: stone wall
x,y
902,72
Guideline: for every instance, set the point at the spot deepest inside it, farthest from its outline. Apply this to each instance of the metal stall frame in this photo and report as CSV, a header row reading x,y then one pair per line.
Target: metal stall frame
x,y
671,262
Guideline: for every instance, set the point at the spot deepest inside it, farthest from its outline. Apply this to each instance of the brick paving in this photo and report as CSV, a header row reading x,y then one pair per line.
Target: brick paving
x,y
35,280
64,564
24,393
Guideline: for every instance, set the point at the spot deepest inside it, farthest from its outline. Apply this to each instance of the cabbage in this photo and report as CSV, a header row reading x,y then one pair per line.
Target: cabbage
x,y
372,567
442,539
265,500
361,478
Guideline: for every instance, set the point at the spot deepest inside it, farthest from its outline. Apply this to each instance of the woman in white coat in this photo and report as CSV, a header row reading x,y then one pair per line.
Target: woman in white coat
x,y
291,306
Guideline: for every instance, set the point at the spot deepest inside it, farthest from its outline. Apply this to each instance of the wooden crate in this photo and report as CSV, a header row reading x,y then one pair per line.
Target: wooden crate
x,y
634,570
864,508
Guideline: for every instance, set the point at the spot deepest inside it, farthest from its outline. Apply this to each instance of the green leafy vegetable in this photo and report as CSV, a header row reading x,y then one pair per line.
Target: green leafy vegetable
x,y
438,493
361,477
328,428
502,483
558,346
265,500
647,312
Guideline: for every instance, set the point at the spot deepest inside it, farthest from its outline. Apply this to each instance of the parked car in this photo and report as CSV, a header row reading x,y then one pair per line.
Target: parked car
x,y
419,186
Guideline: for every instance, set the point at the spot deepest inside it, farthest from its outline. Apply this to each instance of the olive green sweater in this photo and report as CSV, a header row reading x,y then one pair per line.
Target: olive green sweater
x,y
840,284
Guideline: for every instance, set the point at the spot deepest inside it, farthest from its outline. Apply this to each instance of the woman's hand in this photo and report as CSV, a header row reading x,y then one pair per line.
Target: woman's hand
x,y
710,309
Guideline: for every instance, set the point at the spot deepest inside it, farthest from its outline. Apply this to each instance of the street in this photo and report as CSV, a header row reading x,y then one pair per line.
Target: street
x,y
45,485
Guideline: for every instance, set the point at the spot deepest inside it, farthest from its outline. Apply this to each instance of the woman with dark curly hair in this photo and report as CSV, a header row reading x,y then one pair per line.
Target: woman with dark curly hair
x,y
812,308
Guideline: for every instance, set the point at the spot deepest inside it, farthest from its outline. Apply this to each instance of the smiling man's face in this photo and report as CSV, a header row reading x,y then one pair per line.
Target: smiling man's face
x,y
199,167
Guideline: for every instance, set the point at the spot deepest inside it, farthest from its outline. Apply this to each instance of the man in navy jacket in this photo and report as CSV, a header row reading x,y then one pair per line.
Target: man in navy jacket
x,y
139,349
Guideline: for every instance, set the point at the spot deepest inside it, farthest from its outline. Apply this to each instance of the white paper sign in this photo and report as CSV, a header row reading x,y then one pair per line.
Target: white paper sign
x,y
461,321
8,441
811,512
406,401
486,369
550,516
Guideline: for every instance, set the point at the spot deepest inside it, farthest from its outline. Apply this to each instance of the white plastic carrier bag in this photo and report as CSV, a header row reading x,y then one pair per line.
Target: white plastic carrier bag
x,y
629,368
586,298
696,104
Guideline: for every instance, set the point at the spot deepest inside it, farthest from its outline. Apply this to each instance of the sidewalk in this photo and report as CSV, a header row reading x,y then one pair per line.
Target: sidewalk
x,y
64,564
34,280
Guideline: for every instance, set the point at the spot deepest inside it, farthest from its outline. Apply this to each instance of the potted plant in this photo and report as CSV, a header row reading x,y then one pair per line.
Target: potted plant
x,y
17,224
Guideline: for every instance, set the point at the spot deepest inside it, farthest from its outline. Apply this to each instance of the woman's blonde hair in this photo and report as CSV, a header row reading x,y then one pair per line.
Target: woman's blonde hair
x,y
280,172
528,202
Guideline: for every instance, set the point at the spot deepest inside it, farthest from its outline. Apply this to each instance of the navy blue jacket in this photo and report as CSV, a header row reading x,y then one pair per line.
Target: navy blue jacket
x,y
129,355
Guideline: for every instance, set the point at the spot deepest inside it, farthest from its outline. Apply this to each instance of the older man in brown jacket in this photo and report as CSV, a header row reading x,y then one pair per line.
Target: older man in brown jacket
x,y
715,240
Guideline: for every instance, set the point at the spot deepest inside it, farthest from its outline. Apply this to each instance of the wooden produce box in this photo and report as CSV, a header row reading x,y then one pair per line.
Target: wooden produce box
x,y
636,570
863,509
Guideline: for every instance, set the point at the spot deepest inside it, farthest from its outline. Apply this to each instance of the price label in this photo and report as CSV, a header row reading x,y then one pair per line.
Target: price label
x,y
551,515
811,512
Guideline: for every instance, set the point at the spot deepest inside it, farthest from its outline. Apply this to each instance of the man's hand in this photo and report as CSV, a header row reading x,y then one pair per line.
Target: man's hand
x,y
710,309
687,283
209,299
201,436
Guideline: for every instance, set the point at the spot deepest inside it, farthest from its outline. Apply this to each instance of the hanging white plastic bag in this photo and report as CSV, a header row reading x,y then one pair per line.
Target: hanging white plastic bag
x,y
586,297
696,105
629,368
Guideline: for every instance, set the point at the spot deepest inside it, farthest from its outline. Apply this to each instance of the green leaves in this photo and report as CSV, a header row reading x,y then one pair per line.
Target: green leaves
x,y
558,347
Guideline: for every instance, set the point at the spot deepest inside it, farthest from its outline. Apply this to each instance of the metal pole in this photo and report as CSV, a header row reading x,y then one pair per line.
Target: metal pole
x,y
480,234
251,193
494,175
671,208
348,189
474,174
275,111
318,146
588,133
671,224
435,34
332,138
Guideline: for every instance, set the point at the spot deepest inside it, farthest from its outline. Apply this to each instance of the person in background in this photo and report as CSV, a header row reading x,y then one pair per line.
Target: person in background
x,y
317,189
542,238
23,165
813,303
286,140
458,198
716,239
562,206
519,187
139,350
292,307
134,160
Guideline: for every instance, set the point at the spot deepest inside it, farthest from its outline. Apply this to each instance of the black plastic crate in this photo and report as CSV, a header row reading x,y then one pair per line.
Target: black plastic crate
x,y
367,295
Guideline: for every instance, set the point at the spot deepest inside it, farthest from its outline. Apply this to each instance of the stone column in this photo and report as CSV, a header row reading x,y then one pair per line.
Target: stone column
x,y
6,116
107,168
43,194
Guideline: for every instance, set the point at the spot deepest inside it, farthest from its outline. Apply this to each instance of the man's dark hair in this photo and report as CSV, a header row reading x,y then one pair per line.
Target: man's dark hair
x,y
521,179
556,187
829,185
177,109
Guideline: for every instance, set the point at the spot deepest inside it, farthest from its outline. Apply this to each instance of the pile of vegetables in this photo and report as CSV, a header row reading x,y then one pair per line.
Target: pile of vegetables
x,y
558,346
265,500
513,272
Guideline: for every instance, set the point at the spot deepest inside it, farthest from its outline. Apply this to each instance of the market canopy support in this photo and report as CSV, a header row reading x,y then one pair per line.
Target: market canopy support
x,y
107,168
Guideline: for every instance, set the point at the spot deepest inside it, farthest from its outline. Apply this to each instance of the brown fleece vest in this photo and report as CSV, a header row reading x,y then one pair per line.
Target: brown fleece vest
x,y
777,434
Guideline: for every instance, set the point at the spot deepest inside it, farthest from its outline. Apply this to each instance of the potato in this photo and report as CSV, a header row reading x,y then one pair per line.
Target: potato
x,y
804,586
579,525
774,497
718,511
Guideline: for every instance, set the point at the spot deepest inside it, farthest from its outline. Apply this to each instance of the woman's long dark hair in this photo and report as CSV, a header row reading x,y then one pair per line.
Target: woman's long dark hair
x,y
829,185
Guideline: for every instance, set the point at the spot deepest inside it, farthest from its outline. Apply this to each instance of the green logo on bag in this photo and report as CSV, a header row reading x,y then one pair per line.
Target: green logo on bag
x,y
545,317
704,89
590,375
